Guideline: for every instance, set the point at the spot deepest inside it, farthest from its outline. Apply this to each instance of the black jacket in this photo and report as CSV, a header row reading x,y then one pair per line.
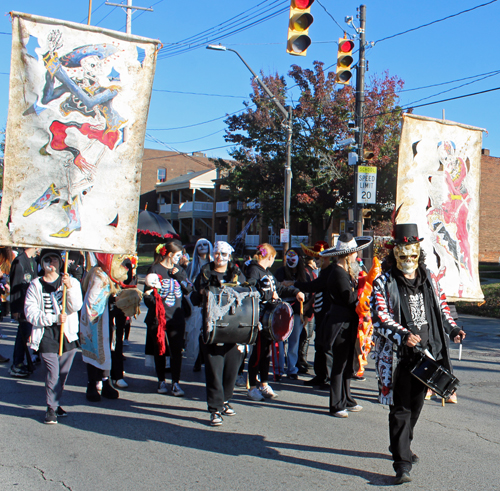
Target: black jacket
x,y
209,277
22,272
266,283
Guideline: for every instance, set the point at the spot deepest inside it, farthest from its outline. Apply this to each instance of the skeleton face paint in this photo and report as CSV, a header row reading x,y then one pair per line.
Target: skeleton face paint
x,y
221,258
177,257
292,259
407,257
202,248
51,263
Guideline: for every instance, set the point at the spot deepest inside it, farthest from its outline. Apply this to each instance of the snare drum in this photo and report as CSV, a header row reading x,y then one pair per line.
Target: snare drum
x,y
435,376
231,315
277,321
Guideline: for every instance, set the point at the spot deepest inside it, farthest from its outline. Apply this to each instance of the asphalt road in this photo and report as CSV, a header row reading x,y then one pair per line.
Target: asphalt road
x,y
148,441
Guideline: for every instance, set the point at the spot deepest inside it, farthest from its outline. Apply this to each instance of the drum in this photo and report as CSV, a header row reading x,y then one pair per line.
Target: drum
x,y
231,315
277,321
435,376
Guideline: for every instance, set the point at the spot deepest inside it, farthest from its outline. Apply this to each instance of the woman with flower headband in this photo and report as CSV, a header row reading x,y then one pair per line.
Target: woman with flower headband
x,y
258,272
221,360
166,284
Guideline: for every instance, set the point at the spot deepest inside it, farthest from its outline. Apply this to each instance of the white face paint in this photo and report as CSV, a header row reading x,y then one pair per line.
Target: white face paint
x,y
202,248
221,258
407,257
292,259
51,264
177,257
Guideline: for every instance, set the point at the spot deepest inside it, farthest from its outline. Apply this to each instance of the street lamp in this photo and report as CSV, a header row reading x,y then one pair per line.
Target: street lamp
x,y
288,117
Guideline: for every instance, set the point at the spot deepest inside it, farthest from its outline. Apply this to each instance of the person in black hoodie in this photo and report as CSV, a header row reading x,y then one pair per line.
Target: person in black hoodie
x,y
322,302
166,316
258,274
341,323
221,360
23,271
294,270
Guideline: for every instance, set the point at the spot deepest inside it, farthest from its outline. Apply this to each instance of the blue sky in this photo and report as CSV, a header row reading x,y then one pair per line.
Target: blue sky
x,y
193,86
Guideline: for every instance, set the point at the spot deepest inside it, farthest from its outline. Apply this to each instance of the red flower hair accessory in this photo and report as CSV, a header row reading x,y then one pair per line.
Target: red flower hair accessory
x,y
262,250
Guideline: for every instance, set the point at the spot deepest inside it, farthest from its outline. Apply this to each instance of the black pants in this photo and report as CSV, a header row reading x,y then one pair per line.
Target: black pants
x,y
341,374
258,364
175,337
120,320
221,370
322,362
409,396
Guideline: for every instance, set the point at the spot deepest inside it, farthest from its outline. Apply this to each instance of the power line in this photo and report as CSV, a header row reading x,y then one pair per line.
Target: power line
x,y
217,33
406,106
200,93
140,13
328,13
86,18
495,72
435,21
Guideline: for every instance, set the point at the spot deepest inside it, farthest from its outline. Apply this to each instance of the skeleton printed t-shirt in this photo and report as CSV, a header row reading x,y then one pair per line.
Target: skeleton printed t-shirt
x,y
419,318
52,304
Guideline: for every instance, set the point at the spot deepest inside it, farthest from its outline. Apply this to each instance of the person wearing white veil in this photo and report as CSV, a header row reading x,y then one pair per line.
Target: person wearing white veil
x,y
203,254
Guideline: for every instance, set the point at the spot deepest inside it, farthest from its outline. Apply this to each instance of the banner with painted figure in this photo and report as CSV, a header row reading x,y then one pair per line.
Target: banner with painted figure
x,y
438,184
78,106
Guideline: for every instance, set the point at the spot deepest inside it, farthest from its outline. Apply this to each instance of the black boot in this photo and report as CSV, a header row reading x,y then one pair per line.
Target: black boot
x,y
108,391
302,364
92,392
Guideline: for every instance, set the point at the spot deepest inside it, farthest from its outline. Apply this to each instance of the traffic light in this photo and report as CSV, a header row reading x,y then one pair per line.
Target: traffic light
x,y
344,61
298,27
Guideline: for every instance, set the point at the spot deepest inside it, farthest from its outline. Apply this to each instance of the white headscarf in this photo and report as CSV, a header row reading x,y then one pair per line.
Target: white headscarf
x,y
224,247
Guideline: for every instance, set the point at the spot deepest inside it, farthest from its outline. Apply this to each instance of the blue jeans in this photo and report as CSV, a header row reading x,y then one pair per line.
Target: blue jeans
x,y
293,346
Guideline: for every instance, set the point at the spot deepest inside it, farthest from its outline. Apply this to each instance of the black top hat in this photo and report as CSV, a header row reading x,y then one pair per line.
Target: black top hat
x,y
406,233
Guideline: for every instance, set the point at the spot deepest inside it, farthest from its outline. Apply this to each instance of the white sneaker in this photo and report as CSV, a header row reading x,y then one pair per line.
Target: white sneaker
x,y
162,387
121,384
255,394
341,414
241,381
355,409
176,390
268,392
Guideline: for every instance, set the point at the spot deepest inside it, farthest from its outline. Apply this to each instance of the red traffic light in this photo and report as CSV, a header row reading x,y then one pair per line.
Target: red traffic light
x,y
346,45
344,61
302,4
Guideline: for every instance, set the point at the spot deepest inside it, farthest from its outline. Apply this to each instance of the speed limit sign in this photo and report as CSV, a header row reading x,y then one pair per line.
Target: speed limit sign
x,y
367,185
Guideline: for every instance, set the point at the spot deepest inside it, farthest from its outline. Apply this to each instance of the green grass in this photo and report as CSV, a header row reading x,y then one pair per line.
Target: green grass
x,y
144,263
491,307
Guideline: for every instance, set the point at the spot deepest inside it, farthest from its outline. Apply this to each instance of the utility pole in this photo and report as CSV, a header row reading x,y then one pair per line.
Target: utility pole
x,y
128,8
359,118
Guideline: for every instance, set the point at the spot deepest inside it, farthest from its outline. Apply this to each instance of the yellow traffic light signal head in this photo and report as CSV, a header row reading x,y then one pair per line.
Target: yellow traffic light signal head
x,y
344,61
298,27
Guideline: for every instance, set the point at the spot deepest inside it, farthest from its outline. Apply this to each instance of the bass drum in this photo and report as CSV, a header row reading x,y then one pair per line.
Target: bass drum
x,y
231,315
277,321
435,376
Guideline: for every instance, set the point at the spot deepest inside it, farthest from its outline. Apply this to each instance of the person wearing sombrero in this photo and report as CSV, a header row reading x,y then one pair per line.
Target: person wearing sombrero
x,y
322,303
341,323
409,313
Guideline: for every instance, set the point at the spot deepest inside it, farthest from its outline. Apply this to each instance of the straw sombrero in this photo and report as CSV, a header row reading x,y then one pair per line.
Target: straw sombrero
x,y
347,244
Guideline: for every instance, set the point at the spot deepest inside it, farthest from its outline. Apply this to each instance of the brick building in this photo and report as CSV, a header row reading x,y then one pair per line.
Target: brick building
x,y
161,166
489,224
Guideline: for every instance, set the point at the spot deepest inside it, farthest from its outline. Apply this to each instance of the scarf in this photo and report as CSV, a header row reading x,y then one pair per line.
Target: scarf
x,y
162,323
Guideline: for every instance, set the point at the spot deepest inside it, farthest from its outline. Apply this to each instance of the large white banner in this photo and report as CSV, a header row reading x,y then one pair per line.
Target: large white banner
x,y
439,173
78,105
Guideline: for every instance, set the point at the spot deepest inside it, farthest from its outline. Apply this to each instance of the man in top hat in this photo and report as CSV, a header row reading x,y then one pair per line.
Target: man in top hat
x,y
410,314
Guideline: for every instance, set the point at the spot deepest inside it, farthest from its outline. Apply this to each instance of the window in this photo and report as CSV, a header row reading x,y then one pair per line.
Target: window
x,y
161,174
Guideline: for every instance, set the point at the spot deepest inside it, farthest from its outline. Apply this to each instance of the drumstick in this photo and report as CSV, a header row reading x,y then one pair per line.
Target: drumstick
x,y
460,349
301,311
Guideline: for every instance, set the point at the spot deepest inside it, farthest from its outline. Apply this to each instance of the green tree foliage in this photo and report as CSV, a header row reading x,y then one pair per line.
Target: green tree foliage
x,y
322,184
